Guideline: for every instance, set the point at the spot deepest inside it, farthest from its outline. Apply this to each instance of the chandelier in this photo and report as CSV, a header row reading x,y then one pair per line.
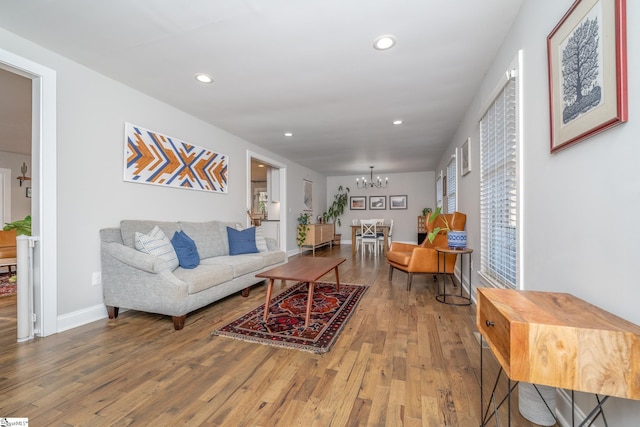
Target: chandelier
x,y
378,183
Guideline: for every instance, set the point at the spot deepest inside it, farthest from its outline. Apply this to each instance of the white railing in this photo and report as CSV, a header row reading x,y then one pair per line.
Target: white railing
x,y
24,270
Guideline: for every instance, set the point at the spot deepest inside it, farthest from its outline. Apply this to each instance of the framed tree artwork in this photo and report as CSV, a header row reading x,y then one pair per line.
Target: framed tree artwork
x,y
587,71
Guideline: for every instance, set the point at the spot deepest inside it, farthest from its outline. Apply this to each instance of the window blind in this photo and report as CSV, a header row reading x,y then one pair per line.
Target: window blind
x,y
499,189
451,185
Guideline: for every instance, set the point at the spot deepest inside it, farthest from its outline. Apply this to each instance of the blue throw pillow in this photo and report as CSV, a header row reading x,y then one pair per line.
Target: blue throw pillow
x,y
242,242
186,250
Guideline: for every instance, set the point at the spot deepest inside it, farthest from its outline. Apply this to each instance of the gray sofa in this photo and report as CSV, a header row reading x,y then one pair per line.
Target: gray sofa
x,y
132,279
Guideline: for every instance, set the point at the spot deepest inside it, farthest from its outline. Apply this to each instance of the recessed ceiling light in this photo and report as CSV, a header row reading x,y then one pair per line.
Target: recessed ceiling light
x,y
384,42
204,78
398,122
288,134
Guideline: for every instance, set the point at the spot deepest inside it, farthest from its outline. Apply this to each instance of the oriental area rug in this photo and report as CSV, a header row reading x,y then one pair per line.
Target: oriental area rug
x,y
7,287
285,325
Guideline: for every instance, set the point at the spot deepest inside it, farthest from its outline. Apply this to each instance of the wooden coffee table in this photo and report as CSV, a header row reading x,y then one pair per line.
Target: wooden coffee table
x,y
307,270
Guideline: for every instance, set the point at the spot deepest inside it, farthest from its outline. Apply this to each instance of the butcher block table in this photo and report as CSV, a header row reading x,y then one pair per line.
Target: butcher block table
x,y
304,269
558,340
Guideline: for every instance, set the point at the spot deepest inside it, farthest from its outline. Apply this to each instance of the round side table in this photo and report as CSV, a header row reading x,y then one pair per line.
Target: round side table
x,y
454,299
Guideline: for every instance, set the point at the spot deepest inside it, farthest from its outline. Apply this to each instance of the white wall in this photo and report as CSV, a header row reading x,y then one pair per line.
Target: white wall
x,y
579,207
419,187
92,110
20,203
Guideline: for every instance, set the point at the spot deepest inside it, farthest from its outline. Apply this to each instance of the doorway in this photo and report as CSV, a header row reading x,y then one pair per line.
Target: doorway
x,y
266,196
43,191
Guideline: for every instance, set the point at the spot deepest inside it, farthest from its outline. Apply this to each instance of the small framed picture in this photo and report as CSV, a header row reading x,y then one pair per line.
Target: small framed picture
x,y
398,202
465,162
29,192
377,202
358,203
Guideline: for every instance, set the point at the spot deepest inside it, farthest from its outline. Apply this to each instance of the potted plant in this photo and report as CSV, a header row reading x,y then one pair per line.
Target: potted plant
x,y
22,226
455,239
303,222
340,200
426,211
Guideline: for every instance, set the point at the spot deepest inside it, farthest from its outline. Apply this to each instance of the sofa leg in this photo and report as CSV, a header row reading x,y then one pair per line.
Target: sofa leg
x,y
409,277
390,272
112,311
178,322
245,292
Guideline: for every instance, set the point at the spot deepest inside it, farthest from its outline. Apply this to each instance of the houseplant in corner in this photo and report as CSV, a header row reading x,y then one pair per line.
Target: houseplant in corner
x,y
336,209
303,222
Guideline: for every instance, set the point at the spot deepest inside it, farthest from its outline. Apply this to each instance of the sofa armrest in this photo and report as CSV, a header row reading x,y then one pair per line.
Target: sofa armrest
x,y
134,258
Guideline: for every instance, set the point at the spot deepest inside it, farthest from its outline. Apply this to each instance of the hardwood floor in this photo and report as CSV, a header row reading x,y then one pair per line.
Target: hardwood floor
x,y
402,359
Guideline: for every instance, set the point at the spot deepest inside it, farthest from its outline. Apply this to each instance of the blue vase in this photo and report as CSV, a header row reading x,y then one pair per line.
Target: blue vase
x,y
457,239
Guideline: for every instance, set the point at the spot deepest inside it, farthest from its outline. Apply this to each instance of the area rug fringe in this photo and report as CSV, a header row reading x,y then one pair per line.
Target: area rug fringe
x,y
332,328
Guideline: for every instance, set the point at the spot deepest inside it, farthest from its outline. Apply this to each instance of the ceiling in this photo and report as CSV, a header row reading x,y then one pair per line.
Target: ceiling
x,y
301,66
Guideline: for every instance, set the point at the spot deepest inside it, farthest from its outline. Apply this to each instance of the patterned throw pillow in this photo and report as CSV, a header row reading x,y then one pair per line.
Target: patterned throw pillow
x,y
261,242
156,243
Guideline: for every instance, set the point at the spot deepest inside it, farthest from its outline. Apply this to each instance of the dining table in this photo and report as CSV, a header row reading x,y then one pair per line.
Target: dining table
x,y
382,227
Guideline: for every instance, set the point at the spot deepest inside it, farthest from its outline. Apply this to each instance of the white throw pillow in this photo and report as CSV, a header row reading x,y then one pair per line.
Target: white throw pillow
x,y
261,242
156,243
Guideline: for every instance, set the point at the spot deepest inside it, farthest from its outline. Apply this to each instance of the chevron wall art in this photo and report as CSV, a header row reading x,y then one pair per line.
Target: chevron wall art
x,y
153,158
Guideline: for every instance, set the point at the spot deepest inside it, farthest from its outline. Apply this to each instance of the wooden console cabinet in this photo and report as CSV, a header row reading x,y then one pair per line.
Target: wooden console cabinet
x,y
559,340
319,235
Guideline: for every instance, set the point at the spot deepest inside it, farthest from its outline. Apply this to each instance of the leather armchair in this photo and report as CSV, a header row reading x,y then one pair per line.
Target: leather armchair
x,y
423,258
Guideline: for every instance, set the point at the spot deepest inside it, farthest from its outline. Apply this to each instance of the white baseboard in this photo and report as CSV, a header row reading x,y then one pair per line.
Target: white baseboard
x,y
81,317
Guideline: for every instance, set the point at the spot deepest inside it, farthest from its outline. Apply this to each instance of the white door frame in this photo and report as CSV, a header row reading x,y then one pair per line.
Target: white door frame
x,y
283,191
5,193
43,184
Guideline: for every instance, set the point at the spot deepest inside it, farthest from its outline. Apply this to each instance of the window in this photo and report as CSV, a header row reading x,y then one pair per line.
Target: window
x,y
451,185
499,188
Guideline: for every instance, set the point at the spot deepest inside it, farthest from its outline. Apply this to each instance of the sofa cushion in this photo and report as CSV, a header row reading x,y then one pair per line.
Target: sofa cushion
x,y
186,250
156,243
272,257
205,276
241,264
242,242
129,227
210,240
261,241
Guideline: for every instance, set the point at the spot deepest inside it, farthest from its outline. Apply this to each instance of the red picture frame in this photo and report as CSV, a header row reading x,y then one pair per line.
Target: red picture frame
x,y
587,97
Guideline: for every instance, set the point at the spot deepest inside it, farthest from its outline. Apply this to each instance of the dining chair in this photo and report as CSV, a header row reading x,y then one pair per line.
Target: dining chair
x,y
358,233
369,235
389,234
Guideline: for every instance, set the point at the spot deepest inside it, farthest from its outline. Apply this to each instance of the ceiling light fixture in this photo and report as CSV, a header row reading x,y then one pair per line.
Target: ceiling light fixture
x,y
384,42
398,122
288,134
204,78
362,183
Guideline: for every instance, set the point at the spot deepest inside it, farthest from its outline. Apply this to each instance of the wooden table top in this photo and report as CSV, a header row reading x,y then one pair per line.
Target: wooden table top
x,y
303,269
